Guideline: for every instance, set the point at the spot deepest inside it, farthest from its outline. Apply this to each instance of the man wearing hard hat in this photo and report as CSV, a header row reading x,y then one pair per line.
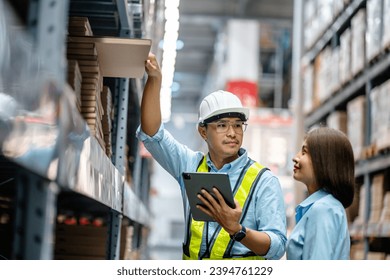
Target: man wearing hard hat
x,y
256,227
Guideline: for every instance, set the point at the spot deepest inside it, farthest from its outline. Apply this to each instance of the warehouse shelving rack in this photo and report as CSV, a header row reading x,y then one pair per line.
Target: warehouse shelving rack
x,y
33,198
374,73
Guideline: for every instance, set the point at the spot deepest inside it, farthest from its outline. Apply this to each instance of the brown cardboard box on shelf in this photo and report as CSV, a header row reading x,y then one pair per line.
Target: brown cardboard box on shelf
x,y
308,88
97,251
74,79
311,26
319,67
92,80
326,78
374,29
106,99
90,52
337,120
345,56
356,125
385,214
65,256
77,242
380,116
353,209
334,71
118,57
98,57
127,233
356,228
75,45
79,26
63,229
358,28
376,256
357,250
376,204
384,219
376,117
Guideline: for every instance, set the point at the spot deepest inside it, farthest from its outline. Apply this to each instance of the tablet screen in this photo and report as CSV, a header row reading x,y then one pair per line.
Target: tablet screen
x,y
194,182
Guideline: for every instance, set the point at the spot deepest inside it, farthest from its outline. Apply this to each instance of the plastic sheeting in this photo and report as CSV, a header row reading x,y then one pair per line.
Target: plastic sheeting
x,y
40,127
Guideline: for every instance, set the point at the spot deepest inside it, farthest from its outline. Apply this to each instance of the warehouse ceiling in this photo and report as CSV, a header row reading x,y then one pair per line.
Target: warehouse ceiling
x,y
200,22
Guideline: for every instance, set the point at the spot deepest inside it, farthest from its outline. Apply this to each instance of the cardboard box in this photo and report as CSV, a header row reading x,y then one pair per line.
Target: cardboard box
x,y
374,28
356,125
337,120
358,43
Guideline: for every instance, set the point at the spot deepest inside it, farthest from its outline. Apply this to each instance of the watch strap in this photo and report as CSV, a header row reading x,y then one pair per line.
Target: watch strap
x,y
239,235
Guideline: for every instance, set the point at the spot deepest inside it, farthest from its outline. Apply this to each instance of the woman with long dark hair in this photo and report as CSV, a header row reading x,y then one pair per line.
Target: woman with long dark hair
x,y
325,164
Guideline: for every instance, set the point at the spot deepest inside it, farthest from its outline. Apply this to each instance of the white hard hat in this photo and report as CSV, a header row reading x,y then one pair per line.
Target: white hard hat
x,y
221,104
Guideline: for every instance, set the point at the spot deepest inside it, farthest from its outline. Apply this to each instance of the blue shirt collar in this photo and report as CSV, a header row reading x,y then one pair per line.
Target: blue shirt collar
x,y
232,166
305,205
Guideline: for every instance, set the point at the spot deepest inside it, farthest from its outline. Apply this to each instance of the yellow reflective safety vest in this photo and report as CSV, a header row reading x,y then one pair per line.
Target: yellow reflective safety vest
x,y
222,244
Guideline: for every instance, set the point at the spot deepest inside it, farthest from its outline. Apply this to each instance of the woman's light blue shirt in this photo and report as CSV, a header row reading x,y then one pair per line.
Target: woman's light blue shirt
x,y
321,231
266,212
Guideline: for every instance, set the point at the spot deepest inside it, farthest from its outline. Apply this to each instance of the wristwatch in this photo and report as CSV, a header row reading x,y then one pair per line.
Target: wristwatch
x,y
239,235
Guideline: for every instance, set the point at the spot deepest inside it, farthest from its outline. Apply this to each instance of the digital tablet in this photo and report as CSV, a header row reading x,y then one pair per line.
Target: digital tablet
x,y
194,182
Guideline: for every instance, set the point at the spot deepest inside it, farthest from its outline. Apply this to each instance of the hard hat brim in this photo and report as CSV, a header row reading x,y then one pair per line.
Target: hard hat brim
x,y
243,111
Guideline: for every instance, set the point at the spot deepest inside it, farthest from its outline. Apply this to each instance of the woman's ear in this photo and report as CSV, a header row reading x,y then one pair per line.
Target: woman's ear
x,y
202,132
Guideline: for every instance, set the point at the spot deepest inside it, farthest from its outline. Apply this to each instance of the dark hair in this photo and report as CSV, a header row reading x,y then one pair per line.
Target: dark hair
x,y
333,162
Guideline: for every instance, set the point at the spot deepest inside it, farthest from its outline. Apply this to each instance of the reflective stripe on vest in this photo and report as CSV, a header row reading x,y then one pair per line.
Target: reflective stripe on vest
x,y
248,258
222,240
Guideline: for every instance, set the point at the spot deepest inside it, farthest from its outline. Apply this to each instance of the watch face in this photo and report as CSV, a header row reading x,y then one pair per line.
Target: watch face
x,y
239,236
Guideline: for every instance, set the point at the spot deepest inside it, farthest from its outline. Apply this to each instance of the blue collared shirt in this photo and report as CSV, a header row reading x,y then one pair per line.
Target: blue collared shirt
x,y
266,213
321,231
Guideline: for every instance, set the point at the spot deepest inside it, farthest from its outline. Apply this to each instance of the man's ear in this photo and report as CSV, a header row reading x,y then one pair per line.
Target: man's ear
x,y
202,131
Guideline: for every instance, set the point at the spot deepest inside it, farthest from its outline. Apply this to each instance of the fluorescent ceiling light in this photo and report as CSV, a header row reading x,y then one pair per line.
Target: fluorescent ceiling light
x,y
169,45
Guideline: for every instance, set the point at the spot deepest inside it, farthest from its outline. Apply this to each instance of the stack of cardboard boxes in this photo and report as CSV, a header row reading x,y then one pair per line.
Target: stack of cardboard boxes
x,y
93,106
107,118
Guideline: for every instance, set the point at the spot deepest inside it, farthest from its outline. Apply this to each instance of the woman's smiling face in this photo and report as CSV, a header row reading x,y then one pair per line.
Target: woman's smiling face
x,y
303,168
